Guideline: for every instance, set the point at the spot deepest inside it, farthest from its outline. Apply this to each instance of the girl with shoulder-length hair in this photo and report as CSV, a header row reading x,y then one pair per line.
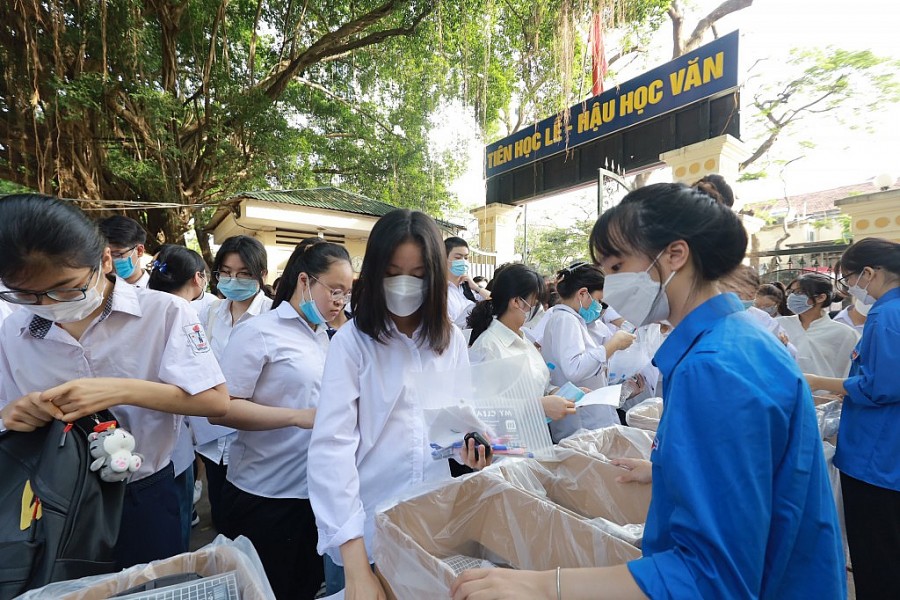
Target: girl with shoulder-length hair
x,y
84,341
869,438
742,504
369,443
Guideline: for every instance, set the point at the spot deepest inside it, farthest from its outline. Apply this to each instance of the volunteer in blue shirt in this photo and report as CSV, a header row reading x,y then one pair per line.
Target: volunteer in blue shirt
x,y
742,506
868,450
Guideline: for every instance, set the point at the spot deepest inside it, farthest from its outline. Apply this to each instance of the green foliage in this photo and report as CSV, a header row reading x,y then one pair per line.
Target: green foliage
x,y
552,248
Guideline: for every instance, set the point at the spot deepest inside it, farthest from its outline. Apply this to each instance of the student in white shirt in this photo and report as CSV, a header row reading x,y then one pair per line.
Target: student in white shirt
x,y
126,240
569,346
239,272
273,364
462,292
369,443
181,271
497,330
854,315
84,341
823,347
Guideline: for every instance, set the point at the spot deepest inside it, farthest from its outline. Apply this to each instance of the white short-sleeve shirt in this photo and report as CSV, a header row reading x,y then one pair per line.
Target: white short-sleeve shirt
x,y
369,443
458,306
844,317
568,345
825,348
141,334
499,341
275,359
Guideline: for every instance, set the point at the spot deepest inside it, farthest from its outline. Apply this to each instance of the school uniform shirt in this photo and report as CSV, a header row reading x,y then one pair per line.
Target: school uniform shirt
x,y
275,359
143,282
823,349
369,443
609,315
844,317
213,441
868,446
772,325
499,341
141,334
458,306
569,346
742,505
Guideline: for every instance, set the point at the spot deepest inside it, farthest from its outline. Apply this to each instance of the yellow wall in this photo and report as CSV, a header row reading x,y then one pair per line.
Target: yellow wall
x,y
874,215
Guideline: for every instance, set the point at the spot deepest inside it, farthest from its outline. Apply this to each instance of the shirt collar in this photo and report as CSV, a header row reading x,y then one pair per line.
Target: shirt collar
x,y
696,324
121,299
506,335
286,311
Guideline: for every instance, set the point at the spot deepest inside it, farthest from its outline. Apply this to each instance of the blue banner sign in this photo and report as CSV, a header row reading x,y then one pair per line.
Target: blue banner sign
x,y
707,71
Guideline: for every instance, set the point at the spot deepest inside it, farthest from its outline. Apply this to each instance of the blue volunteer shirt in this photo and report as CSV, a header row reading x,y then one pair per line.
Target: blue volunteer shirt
x,y
869,438
742,506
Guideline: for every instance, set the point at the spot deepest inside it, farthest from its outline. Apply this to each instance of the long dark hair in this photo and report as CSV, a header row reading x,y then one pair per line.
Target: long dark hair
x,y
253,255
173,267
510,281
37,230
872,252
312,256
652,217
368,303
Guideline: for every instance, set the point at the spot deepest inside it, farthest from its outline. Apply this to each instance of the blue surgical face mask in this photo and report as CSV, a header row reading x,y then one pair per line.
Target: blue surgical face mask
x,y
237,290
798,304
124,266
747,303
459,267
592,312
311,311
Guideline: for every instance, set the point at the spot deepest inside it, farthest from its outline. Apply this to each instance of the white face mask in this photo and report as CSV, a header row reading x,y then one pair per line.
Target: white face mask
x,y
861,307
70,312
404,294
638,298
861,294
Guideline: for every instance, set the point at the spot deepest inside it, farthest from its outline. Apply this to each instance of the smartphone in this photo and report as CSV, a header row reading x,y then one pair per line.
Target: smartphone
x,y
479,441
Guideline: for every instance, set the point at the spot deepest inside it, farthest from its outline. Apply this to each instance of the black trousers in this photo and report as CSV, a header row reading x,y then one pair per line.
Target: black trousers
x,y
283,531
872,517
215,479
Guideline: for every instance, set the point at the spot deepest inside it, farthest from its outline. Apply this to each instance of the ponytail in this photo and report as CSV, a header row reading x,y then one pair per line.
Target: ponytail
x,y
480,319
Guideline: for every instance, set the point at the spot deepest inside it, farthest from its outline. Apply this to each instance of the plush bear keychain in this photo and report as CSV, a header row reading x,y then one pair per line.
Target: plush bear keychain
x,y
113,450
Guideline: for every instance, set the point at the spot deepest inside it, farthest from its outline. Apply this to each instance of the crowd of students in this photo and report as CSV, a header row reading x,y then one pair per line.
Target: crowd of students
x,y
305,421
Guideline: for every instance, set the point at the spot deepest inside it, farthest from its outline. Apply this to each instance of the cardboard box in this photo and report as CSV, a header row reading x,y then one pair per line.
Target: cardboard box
x,y
585,486
221,556
612,442
482,516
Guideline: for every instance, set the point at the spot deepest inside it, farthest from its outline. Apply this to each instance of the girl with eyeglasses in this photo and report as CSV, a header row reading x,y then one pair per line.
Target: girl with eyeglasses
x,y
71,350
369,443
579,354
239,272
497,330
868,448
273,364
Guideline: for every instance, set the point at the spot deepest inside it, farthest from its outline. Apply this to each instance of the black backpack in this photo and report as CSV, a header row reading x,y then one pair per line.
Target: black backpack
x,y
58,520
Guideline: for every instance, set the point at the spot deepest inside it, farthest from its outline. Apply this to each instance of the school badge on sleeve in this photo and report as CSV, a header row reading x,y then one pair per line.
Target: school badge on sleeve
x,y
197,337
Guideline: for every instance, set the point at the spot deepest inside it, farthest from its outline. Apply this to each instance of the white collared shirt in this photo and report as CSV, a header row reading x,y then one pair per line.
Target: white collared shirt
x,y
141,334
369,443
577,357
844,317
275,359
825,348
499,341
458,306
143,282
214,441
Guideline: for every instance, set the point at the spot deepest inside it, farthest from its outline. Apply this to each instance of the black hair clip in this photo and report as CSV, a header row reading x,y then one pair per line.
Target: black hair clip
x,y
161,267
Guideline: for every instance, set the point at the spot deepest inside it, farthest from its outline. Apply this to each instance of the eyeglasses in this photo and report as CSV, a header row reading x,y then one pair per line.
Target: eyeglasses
x,y
842,284
336,295
124,253
59,295
238,275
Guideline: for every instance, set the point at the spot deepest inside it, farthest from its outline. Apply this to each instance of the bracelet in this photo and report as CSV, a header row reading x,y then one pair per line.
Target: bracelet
x,y
558,589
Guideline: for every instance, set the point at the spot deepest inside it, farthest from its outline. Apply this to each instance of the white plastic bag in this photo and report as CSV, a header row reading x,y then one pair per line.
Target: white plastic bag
x,y
626,363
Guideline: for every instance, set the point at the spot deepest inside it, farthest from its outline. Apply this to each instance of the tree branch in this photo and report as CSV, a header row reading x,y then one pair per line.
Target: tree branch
x,y
722,10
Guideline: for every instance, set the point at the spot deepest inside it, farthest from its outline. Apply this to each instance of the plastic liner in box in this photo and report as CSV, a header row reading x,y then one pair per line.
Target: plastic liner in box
x,y
585,486
485,518
615,441
834,476
221,556
829,418
645,415
500,393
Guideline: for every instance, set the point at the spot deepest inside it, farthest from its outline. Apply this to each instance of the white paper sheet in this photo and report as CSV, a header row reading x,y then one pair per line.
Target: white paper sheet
x,y
608,395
